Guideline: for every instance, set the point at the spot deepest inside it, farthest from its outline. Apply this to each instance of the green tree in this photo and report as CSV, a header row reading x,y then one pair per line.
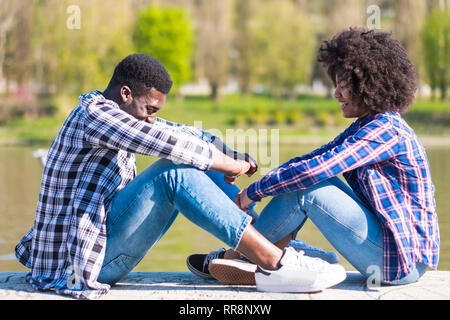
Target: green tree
x,y
409,20
213,45
284,46
8,10
243,12
436,44
67,62
167,35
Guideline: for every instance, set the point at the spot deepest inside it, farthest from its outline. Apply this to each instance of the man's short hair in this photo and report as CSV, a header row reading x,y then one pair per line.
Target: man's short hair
x,y
140,73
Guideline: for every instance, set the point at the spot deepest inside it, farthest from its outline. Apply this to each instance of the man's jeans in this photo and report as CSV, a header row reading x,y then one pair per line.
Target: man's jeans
x,y
343,219
145,209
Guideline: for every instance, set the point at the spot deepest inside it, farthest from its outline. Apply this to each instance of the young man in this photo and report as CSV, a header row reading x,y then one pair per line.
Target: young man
x,y
95,220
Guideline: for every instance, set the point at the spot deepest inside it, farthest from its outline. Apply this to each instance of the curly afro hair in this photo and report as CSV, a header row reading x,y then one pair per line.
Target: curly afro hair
x,y
373,66
140,72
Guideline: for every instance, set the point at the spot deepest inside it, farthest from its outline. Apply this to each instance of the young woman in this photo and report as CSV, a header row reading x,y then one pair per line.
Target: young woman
x,y
383,221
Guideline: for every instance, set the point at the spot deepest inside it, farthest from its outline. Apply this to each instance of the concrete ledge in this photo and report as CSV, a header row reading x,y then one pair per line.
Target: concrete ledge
x,y
186,286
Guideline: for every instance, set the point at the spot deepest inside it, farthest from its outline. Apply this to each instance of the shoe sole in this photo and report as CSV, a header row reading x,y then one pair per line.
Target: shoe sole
x,y
233,271
313,288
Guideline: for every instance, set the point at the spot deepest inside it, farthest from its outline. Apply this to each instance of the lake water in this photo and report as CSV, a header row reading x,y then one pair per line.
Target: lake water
x,y
20,176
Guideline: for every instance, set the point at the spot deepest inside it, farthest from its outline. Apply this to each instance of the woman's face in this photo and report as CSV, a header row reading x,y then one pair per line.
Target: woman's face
x,y
350,109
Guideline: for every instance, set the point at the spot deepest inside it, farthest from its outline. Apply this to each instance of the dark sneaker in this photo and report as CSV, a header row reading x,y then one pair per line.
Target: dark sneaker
x,y
198,264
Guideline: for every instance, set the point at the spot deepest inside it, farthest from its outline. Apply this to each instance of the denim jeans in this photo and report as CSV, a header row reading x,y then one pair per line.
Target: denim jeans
x,y
344,220
145,209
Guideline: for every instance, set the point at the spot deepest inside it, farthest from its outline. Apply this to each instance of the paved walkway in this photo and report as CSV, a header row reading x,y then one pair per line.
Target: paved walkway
x,y
186,286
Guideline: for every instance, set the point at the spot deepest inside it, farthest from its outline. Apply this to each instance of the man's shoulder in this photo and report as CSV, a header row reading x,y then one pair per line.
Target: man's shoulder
x,y
94,102
91,98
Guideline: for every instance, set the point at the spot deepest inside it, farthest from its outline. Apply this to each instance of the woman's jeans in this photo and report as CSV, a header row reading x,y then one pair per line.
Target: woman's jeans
x,y
341,217
145,209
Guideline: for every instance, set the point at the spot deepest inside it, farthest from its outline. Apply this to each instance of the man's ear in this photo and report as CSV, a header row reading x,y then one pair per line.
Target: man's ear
x,y
125,94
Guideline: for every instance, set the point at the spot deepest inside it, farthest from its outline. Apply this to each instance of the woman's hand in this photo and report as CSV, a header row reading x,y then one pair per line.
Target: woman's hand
x,y
243,201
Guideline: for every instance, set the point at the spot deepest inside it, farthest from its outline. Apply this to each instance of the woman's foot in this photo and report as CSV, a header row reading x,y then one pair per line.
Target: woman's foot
x,y
299,273
310,251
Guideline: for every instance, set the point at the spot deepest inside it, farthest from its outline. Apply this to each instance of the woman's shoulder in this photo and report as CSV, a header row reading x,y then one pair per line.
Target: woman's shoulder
x,y
378,121
392,120
404,132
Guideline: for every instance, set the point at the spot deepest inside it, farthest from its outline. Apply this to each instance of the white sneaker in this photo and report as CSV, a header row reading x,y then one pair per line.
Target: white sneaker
x,y
299,273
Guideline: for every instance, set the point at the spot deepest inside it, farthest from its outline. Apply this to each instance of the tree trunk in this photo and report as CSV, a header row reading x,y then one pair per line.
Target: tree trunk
x,y
214,92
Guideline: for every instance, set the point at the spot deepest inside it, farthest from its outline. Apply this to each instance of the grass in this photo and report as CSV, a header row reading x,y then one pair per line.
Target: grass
x,y
304,116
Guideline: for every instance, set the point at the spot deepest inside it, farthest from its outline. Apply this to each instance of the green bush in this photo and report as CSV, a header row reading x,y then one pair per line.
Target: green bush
x,y
324,118
168,35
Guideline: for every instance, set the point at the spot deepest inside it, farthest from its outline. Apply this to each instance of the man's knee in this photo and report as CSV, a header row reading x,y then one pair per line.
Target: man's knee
x,y
172,172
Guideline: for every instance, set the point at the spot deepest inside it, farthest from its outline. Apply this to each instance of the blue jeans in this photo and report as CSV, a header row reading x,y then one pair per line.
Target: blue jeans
x,y
145,209
341,217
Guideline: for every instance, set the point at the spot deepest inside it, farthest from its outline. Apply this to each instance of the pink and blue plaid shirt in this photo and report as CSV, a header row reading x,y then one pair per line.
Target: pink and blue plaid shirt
x,y
385,164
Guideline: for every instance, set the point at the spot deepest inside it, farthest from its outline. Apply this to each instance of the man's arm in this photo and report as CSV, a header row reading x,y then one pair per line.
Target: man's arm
x,y
208,137
108,126
229,166
217,142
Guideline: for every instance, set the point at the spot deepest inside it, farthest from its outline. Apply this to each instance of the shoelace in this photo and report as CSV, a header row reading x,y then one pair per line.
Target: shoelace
x,y
299,258
211,256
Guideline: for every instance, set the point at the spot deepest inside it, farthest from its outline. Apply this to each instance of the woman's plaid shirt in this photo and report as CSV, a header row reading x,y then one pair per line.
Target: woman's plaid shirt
x,y
92,158
385,164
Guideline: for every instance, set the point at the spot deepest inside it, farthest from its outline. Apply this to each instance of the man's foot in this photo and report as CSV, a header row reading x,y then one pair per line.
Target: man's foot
x,y
299,273
198,264
233,271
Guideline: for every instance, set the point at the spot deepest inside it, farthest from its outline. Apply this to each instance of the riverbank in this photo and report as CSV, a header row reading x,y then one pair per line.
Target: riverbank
x,y
428,141
434,285
303,119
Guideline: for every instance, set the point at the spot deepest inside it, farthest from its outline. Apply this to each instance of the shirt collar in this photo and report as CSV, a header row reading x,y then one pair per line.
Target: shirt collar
x,y
366,119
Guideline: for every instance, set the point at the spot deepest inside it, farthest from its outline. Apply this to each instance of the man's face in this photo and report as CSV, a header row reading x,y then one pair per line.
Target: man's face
x,y
144,107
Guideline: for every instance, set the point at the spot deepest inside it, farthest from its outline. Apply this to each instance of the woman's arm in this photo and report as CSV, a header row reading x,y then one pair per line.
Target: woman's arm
x,y
375,142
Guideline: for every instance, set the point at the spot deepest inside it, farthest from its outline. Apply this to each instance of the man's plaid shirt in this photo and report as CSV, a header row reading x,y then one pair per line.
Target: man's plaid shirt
x,y
385,164
90,160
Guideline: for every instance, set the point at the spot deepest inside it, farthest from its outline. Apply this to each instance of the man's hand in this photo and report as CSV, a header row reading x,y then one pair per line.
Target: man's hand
x,y
231,179
151,119
253,165
233,167
243,201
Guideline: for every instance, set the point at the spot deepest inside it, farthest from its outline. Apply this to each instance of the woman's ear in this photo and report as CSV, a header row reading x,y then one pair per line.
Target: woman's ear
x,y
125,94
